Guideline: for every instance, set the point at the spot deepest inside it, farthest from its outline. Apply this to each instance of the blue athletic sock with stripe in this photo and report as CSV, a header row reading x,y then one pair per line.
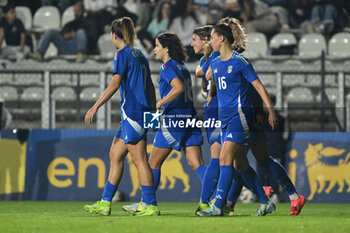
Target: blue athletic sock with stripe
x,y
109,191
280,174
210,180
156,178
223,186
254,184
200,171
236,187
148,195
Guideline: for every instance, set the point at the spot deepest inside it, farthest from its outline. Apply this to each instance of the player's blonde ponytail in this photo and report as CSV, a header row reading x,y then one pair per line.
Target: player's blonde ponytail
x,y
240,38
124,29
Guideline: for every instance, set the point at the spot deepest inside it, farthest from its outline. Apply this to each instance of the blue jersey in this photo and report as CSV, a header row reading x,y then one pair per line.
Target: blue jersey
x,y
205,64
132,65
233,78
168,71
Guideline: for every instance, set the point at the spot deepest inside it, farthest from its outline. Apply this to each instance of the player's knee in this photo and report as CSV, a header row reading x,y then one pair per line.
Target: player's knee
x,y
225,159
193,165
154,164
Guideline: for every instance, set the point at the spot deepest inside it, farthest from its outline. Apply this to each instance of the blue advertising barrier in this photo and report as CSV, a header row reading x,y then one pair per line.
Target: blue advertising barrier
x,y
73,165
319,165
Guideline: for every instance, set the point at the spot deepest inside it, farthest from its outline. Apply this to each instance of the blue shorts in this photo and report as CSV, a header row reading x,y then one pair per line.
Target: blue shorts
x,y
238,130
178,138
131,131
213,134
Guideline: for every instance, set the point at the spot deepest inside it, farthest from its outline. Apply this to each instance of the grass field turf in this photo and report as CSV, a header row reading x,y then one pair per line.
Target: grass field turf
x,y
51,217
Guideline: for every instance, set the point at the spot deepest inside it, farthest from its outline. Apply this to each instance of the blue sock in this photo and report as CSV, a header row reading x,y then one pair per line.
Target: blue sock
x,y
156,178
200,171
236,187
254,184
109,191
223,186
280,174
210,180
148,195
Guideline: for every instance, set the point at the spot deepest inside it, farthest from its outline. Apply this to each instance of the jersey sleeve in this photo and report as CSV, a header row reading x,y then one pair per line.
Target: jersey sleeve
x,y
249,73
205,66
169,74
120,64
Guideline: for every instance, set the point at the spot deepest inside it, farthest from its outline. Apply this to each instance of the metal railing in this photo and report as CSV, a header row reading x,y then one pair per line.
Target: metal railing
x,y
277,68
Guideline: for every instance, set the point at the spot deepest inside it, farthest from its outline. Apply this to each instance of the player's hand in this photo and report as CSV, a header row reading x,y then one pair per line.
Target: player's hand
x,y
158,106
273,120
90,115
209,99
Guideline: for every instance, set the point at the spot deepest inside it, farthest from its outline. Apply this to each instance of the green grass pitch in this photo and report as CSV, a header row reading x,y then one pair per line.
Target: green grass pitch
x,y
66,217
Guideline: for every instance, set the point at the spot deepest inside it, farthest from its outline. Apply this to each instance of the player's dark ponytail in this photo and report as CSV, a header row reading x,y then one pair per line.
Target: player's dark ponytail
x,y
174,45
124,29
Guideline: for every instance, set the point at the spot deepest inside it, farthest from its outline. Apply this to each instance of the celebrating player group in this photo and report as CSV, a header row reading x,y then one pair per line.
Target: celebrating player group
x,y
234,96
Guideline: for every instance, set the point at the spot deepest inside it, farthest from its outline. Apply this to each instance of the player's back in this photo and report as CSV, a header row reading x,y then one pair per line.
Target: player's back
x,y
133,66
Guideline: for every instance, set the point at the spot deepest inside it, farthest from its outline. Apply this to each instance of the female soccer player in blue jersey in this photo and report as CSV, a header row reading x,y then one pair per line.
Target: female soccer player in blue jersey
x,y
176,105
200,45
233,75
132,75
258,145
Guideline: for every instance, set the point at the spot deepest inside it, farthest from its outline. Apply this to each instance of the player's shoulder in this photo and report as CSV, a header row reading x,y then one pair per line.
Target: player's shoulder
x,y
216,61
202,61
122,52
240,59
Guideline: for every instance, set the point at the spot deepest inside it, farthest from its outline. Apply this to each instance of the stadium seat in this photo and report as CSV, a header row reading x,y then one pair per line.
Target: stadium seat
x,y
47,17
268,79
90,94
6,78
293,79
28,79
271,90
339,45
282,39
33,94
63,79
24,14
63,94
68,15
312,45
106,47
331,80
90,79
347,80
257,45
300,95
331,93
3,3
8,93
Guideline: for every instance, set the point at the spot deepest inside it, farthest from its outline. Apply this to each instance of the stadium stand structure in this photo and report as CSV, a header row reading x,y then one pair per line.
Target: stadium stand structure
x,y
68,89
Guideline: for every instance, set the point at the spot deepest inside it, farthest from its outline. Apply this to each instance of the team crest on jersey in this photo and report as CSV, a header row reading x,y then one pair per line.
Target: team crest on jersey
x,y
229,69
